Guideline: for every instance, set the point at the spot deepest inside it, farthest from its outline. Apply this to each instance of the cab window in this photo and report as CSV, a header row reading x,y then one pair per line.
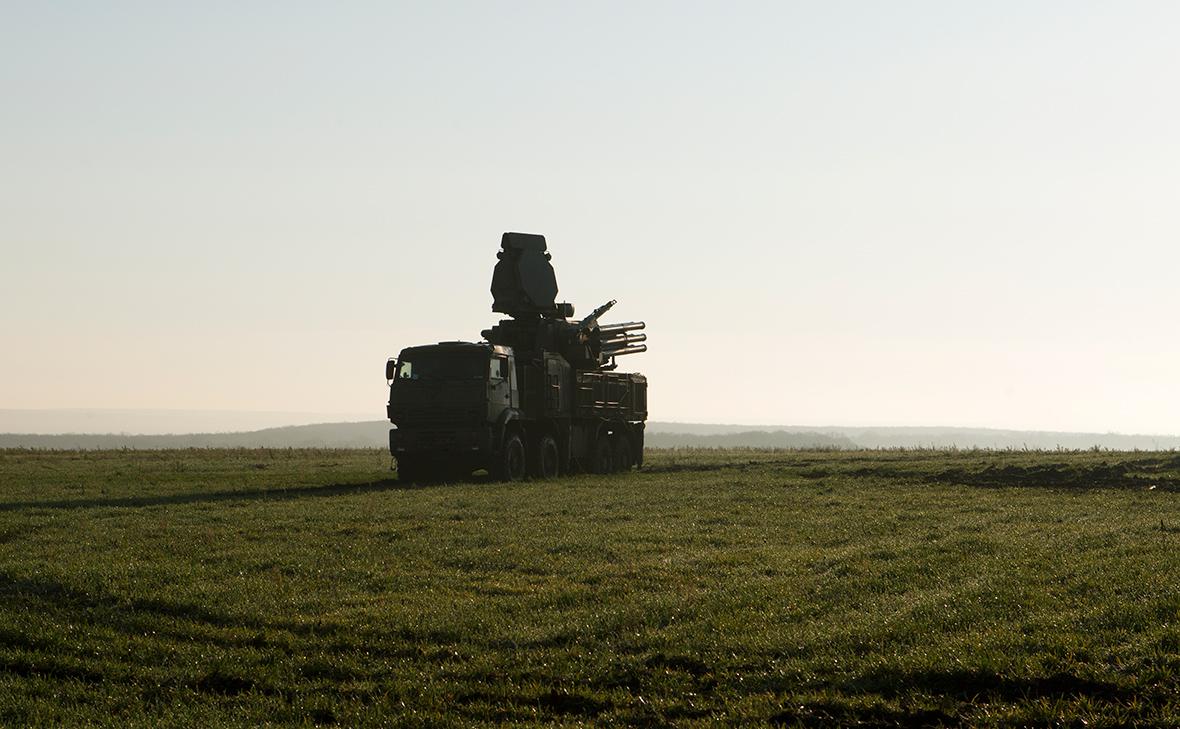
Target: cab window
x,y
442,366
499,369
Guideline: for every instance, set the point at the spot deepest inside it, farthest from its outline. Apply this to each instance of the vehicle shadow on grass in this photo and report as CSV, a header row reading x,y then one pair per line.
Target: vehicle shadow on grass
x,y
200,497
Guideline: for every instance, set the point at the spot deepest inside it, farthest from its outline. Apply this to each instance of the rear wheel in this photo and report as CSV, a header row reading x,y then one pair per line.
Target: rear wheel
x,y
622,449
604,459
547,458
510,466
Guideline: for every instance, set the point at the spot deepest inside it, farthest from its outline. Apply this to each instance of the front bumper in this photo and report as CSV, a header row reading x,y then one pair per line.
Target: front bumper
x,y
436,441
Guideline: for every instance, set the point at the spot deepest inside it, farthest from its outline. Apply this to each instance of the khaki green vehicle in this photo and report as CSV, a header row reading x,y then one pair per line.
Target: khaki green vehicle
x,y
540,396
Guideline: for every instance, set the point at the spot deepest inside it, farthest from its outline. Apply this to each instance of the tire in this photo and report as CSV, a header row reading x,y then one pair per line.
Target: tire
x,y
547,459
604,457
510,465
622,449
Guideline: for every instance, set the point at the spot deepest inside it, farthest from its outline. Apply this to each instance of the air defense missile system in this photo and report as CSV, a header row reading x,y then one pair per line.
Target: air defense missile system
x,y
539,396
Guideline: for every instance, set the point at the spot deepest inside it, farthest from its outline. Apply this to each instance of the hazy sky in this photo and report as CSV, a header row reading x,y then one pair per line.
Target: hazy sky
x,y
851,213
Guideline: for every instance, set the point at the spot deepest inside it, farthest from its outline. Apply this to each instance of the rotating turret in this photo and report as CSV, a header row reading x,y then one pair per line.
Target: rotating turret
x,y
524,286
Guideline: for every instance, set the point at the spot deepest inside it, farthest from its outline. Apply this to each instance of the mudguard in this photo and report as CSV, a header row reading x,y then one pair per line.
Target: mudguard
x,y
510,415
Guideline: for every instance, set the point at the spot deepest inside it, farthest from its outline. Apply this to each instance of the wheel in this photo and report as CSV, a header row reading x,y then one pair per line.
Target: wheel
x,y
622,449
604,458
510,466
547,459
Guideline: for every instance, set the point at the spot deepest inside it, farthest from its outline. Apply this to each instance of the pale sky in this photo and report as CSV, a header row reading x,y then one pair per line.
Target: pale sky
x,y
828,213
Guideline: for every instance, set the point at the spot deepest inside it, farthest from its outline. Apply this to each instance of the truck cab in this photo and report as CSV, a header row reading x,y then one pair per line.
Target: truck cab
x,y
450,403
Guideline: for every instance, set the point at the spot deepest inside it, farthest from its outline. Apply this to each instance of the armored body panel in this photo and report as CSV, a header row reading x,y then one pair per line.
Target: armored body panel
x,y
618,395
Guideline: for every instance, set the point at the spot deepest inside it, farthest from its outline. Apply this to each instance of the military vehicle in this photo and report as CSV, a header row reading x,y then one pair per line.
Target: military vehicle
x,y
539,396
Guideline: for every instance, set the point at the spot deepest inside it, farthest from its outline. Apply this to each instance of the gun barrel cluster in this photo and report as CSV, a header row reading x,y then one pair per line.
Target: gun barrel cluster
x,y
620,339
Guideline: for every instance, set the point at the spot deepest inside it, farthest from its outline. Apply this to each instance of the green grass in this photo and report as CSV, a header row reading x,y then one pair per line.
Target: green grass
x,y
740,587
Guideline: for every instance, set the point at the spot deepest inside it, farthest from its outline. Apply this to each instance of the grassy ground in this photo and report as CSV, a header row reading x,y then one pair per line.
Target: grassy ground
x,y
804,588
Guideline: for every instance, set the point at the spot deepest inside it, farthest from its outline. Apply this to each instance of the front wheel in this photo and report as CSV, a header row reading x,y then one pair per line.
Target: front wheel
x,y
510,464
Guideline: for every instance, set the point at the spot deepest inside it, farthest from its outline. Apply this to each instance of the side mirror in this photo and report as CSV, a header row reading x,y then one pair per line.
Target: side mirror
x,y
390,368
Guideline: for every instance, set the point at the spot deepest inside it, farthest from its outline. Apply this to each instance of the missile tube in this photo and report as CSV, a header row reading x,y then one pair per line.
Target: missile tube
x,y
626,350
620,328
623,340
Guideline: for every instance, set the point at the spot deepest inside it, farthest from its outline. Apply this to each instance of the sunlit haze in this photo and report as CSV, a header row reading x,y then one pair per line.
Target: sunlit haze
x,y
839,213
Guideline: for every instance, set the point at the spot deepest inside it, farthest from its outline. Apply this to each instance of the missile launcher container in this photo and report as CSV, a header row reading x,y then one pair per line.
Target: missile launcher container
x,y
539,396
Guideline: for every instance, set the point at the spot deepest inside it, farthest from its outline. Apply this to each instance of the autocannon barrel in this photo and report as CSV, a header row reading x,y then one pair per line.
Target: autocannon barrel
x,y
620,328
588,323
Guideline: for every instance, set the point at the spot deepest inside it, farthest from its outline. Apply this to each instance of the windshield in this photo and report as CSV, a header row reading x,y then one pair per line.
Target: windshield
x,y
423,366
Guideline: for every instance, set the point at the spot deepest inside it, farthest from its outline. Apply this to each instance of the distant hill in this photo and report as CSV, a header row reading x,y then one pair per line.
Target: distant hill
x,y
1006,439
747,439
929,437
375,434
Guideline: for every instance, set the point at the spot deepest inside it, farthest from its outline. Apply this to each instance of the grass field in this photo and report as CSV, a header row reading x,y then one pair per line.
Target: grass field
x,y
796,588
